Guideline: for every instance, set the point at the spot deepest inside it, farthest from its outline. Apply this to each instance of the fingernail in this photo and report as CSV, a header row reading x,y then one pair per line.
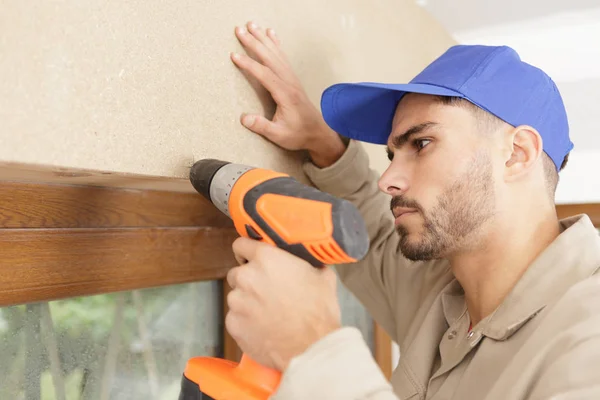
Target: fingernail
x,y
271,31
236,56
253,25
248,120
241,31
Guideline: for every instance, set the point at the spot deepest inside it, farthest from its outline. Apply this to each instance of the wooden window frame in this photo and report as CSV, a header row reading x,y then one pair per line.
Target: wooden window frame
x,y
59,241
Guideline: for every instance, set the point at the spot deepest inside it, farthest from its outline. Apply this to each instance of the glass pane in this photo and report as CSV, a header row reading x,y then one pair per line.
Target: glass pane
x,y
130,345
355,314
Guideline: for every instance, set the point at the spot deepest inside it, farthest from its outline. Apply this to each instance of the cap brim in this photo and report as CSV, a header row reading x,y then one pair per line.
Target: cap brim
x,y
365,111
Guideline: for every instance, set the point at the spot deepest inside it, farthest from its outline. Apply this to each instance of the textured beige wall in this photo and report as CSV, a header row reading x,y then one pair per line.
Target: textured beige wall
x,y
147,87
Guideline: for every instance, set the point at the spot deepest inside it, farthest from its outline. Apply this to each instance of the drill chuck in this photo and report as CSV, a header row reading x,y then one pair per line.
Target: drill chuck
x,y
202,173
215,180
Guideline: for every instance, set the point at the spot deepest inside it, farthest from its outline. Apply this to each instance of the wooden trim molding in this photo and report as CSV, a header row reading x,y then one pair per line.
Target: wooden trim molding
x,y
49,264
59,241
26,205
383,350
591,209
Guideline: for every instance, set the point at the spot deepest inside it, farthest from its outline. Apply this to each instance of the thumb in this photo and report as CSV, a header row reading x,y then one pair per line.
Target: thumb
x,y
261,125
244,249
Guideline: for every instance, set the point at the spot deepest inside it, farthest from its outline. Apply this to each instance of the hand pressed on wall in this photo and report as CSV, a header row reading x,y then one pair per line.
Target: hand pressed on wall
x,y
280,305
297,123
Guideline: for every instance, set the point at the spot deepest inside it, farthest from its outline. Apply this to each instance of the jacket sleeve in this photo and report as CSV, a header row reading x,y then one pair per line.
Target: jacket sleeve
x,y
338,367
391,287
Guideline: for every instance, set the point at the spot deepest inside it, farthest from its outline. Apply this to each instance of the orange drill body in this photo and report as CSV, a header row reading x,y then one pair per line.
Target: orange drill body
x,y
274,208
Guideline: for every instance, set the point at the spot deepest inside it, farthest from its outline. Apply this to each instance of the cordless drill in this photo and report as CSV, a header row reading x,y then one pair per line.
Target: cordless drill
x,y
277,209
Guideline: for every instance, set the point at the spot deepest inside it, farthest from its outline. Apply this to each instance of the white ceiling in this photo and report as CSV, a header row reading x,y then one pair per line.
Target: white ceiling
x,y
562,37
463,15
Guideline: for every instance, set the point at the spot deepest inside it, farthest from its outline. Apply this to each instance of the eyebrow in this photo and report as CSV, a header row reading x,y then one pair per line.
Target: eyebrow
x,y
401,140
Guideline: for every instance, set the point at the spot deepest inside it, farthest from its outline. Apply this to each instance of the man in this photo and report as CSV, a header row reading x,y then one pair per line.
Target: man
x,y
488,295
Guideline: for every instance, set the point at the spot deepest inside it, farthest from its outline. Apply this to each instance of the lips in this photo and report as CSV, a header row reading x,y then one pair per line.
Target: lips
x,y
400,211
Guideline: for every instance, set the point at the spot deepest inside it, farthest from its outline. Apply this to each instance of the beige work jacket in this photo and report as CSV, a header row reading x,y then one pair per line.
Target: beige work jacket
x,y
543,341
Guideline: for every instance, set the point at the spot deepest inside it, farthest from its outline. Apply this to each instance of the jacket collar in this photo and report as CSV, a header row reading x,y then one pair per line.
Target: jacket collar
x,y
572,257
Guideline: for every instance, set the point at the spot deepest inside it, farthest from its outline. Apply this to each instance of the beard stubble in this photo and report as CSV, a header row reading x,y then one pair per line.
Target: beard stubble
x,y
461,210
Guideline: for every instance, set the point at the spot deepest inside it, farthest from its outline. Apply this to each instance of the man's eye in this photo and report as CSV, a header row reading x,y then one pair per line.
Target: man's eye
x,y
421,143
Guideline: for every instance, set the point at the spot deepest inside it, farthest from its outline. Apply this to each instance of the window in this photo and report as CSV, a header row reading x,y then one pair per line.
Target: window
x,y
128,345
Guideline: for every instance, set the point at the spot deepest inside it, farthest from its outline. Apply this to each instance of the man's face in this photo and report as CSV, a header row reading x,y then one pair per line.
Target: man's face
x,y
440,178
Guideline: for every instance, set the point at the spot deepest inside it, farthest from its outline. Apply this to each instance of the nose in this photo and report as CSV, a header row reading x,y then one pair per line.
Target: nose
x,y
394,180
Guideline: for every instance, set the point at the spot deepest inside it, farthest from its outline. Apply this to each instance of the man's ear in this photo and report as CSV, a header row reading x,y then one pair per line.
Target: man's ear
x,y
525,145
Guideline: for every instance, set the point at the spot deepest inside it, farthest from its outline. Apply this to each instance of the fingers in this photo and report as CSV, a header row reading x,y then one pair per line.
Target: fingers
x,y
240,260
268,38
256,42
265,75
237,301
264,39
245,248
231,277
271,42
233,324
265,45
243,277
273,37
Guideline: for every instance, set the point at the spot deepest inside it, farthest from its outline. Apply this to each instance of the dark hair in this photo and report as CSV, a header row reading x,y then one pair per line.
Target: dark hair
x,y
489,122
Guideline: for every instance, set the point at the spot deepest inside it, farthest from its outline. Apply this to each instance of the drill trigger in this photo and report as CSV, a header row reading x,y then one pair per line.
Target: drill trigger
x,y
252,232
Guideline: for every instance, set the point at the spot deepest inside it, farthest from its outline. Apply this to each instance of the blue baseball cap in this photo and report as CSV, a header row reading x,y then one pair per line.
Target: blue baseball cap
x,y
493,78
